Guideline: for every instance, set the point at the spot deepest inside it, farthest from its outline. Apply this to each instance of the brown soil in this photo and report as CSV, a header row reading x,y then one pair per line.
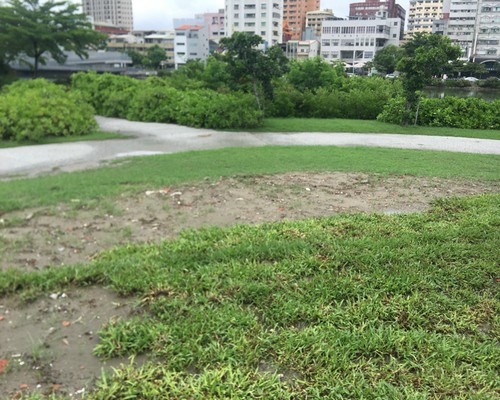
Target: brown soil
x,y
48,344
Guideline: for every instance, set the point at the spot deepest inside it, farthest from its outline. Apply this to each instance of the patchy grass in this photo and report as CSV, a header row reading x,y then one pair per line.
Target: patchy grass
x,y
355,306
157,171
64,139
366,126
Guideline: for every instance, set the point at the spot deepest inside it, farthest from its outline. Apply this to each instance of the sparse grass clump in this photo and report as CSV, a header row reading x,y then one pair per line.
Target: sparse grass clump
x,y
355,306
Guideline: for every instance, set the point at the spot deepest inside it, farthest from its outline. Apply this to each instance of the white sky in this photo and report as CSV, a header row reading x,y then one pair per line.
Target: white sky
x,y
158,14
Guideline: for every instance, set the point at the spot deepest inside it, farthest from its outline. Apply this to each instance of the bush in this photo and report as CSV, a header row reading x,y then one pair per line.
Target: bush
x,y
457,83
209,109
154,104
456,112
493,83
109,94
35,109
452,112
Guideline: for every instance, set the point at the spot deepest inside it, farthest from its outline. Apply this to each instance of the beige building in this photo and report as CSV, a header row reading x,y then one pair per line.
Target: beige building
x,y
116,12
314,20
422,14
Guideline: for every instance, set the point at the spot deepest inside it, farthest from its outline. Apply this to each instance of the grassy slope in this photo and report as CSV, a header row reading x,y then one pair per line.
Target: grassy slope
x,y
355,306
156,171
364,126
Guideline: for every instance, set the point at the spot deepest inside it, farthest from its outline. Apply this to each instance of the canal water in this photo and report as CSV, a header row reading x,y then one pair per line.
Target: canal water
x,y
486,94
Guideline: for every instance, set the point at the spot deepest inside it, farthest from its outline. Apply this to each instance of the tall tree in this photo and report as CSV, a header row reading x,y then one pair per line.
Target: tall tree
x,y
32,29
425,55
250,66
386,59
154,57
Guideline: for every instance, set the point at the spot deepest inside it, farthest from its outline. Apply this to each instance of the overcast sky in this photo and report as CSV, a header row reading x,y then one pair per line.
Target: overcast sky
x,y
158,14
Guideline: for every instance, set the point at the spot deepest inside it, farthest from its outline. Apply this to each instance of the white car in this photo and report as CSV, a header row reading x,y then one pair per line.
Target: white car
x,y
471,79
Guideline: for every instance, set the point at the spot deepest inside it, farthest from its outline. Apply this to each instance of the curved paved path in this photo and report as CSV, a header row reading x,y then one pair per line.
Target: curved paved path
x,y
154,138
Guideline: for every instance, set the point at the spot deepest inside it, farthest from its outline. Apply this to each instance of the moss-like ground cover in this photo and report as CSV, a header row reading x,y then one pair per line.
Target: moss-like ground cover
x,y
355,306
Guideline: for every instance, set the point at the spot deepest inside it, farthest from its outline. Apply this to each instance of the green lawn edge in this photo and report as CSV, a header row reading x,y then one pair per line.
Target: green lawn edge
x,y
143,173
340,125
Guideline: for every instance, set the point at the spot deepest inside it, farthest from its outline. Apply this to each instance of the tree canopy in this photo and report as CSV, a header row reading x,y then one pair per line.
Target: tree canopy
x,y
425,56
314,73
386,59
32,29
248,65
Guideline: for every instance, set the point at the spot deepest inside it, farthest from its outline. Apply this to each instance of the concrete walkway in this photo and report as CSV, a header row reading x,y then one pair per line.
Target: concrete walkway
x,y
154,138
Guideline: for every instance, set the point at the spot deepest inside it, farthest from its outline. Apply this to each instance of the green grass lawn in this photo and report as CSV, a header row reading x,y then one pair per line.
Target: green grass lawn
x,y
349,307
156,171
366,126
64,139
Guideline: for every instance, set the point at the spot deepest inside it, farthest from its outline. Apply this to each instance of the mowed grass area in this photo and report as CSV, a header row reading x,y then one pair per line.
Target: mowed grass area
x,y
157,171
64,139
349,307
366,126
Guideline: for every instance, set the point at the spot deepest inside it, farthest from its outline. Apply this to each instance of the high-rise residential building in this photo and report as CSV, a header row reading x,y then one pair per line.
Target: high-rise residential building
x,y
260,17
294,15
116,12
422,14
378,9
474,25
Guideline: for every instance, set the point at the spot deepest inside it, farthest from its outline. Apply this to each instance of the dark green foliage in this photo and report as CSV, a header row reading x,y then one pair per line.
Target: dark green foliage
x,y
109,94
454,112
33,29
155,100
387,58
251,69
32,110
457,83
315,73
492,83
356,98
424,56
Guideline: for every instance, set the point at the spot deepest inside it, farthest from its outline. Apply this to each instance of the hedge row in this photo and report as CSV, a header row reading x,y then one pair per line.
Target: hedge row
x,y
35,109
358,98
152,100
453,112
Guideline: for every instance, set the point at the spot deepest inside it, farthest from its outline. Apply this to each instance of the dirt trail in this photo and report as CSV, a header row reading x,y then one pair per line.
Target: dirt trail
x,y
48,344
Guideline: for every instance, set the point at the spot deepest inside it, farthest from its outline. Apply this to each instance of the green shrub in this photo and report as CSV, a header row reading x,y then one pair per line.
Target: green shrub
x,y
493,83
457,83
32,110
452,112
109,94
209,109
154,104
456,112
394,111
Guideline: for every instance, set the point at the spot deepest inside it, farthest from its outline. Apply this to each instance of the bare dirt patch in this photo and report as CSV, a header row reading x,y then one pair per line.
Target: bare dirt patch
x,y
48,344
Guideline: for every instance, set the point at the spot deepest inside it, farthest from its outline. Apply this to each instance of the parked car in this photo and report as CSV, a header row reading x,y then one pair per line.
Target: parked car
x,y
390,76
471,79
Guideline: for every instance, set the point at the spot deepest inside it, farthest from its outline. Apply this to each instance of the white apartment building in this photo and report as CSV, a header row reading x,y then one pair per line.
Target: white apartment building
x,y
260,17
356,41
474,25
302,49
191,43
422,14
116,12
